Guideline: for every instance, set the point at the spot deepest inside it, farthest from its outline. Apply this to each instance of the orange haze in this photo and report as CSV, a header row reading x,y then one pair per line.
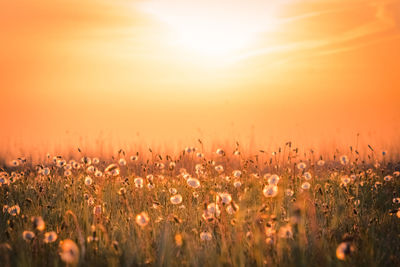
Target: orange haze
x,y
73,72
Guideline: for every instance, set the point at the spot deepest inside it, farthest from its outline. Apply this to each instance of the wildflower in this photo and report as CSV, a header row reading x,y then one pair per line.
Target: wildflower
x,y
176,199
219,168
343,250
14,210
220,152
344,160
172,191
226,198
301,166
28,235
69,251
98,173
88,180
345,180
142,219
307,176
112,170
91,169
205,236
193,182
270,190
15,163
237,174
388,178
286,231
273,179
213,209
38,223
237,183
67,173
50,237
200,155
320,162
86,160
305,185
138,182
122,162
289,192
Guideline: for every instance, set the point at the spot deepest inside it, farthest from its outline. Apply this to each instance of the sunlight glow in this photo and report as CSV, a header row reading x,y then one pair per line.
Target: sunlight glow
x,y
213,29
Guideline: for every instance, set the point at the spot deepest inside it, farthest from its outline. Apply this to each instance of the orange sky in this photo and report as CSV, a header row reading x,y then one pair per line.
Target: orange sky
x,y
317,71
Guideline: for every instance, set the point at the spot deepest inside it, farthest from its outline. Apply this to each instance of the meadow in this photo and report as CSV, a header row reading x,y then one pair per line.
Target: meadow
x,y
202,208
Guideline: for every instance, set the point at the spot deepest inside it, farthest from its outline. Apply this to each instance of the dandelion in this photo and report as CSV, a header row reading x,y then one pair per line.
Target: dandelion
x,y
193,182
61,163
205,236
273,179
45,171
50,237
142,219
237,174
219,168
307,176
345,180
28,235
98,173
112,170
289,192
343,250
67,173
286,232
305,185
388,178
91,169
138,182
122,162
301,166
14,210
200,155
176,199
320,162
213,209
173,191
237,183
76,165
171,165
14,163
220,152
270,191
344,160
69,251
226,198
396,200
88,181
38,223
96,161
86,160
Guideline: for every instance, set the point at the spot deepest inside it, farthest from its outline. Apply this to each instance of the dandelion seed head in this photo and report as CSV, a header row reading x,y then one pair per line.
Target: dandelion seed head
x,y
307,176
176,199
193,182
305,185
301,166
122,162
226,198
14,210
270,191
142,219
205,236
28,235
219,168
237,183
69,251
138,182
38,223
50,237
88,180
273,179
344,160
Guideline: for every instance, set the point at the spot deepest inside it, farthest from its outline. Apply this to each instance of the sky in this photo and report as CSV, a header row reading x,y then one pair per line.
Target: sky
x,y
84,73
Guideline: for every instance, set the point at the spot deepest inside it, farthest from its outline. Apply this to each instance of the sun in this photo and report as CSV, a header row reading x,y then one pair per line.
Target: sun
x,y
213,28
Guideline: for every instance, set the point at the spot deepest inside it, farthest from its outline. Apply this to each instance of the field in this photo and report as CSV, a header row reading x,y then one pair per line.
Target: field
x,y
202,208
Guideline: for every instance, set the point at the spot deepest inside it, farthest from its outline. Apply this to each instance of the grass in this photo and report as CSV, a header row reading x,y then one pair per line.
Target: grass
x,y
349,202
